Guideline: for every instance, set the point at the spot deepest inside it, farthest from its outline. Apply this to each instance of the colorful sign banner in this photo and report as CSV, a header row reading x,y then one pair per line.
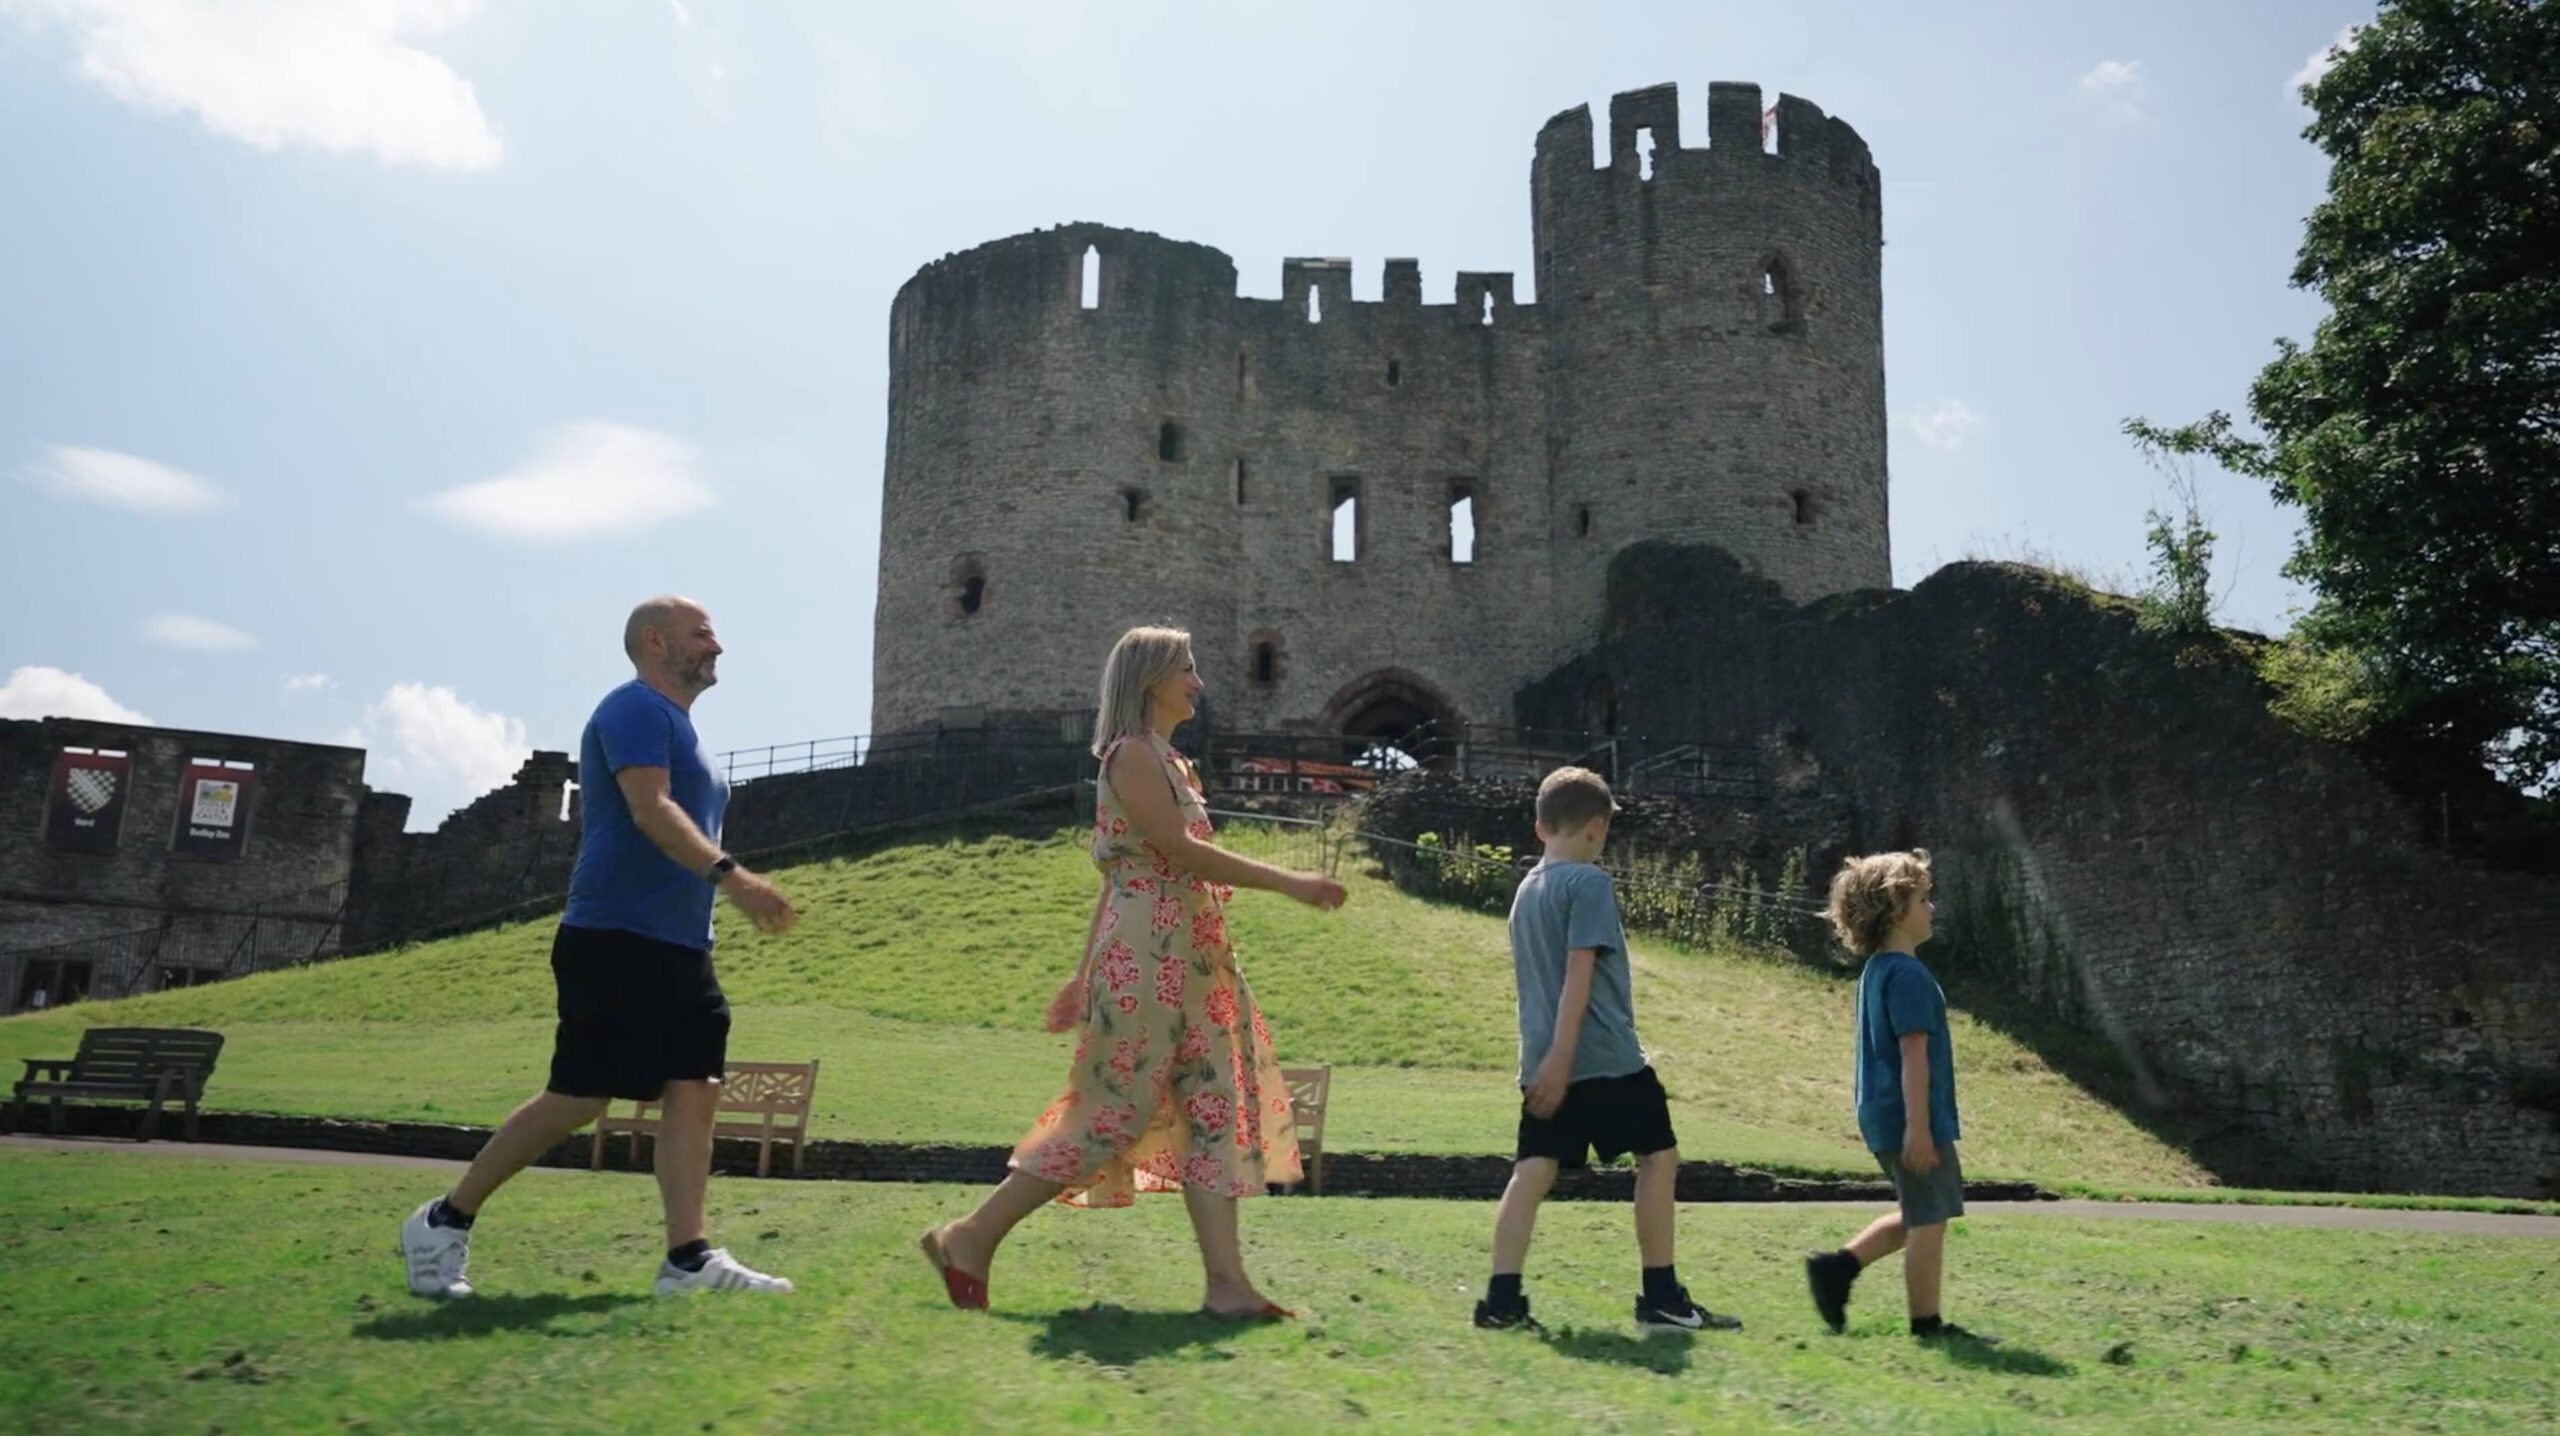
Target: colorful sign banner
x,y
213,808
84,809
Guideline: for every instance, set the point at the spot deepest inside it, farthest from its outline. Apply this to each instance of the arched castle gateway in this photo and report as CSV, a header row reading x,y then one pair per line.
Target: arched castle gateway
x,y
1089,429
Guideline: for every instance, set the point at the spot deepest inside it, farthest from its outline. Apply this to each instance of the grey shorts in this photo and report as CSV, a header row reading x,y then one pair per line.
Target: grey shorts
x,y
1926,1201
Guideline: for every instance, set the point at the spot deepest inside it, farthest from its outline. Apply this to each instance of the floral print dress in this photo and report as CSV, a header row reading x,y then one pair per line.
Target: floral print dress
x,y
1174,1083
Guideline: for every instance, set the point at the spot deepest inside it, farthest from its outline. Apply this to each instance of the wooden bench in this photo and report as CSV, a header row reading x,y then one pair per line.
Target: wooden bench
x,y
142,1064
764,1102
1308,1089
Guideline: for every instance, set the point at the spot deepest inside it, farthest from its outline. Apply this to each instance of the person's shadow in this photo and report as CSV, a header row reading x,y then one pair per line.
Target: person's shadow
x,y
483,1315
2007,1358
1116,1336
1666,1354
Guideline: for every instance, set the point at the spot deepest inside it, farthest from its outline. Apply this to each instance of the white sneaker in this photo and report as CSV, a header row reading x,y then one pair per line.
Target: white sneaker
x,y
434,1256
720,1272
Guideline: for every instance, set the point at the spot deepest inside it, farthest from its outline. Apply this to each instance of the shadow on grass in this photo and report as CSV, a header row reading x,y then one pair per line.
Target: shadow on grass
x,y
1665,1355
2007,1358
483,1315
1116,1336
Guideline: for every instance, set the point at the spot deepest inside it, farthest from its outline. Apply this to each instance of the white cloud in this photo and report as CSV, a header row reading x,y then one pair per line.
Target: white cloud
x,y
343,76
308,682
34,692
2114,87
1946,425
684,17
587,480
2318,62
196,635
450,750
103,476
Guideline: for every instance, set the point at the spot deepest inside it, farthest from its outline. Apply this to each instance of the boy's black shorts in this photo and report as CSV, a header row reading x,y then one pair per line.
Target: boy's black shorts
x,y
1609,1115
635,1014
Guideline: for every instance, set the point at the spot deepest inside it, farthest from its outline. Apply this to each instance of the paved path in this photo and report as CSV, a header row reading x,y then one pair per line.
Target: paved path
x,y
2370,1219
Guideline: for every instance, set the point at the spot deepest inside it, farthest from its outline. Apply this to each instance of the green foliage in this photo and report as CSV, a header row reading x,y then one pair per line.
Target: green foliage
x,y
2419,430
2332,693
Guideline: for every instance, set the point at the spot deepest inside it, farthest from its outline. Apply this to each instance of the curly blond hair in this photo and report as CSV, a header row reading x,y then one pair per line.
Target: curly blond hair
x,y
1869,893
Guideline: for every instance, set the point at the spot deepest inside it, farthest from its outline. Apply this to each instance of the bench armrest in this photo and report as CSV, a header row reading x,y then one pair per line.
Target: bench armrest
x,y
56,1065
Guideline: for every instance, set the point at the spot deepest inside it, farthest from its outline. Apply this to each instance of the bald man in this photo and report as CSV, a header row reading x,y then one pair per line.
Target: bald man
x,y
641,1012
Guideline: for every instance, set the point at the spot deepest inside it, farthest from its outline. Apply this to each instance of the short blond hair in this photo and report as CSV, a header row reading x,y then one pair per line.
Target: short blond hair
x,y
1142,658
1868,895
1571,797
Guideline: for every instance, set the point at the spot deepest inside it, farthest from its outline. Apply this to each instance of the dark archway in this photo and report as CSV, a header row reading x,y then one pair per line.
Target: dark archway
x,y
1385,715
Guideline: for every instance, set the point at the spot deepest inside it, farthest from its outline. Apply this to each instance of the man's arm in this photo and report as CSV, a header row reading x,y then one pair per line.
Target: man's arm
x,y
655,813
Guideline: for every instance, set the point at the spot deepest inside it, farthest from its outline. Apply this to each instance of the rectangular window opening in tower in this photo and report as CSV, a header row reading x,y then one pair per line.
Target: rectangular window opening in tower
x,y
1235,475
1462,521
1091,297
1644,154
1344,506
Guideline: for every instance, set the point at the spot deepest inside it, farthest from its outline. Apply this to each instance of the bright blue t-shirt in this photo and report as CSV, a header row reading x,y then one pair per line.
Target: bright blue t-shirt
x,y
622,881
1897,996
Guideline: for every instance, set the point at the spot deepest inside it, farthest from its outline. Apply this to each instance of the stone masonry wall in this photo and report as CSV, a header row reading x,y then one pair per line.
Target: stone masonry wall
x,y
2274,933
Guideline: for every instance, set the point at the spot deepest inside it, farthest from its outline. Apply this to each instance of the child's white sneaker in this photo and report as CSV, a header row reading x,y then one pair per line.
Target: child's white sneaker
x,y
434,1255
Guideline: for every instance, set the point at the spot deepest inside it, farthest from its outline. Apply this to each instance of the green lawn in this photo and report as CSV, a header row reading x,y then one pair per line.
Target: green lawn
x,y
921,962
145,1293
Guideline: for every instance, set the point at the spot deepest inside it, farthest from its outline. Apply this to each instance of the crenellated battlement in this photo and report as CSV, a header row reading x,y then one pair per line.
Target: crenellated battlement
x,y
1644,130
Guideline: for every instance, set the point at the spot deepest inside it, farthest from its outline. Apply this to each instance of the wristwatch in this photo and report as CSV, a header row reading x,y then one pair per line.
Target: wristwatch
x,y
721,869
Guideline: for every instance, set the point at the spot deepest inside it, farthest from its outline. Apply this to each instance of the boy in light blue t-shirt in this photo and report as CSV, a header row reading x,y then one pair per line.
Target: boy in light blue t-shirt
x,y
1584,1081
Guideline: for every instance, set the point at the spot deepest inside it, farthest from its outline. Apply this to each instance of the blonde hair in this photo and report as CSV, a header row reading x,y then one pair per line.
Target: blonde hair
x,y
1868,895
1142,658
1571,797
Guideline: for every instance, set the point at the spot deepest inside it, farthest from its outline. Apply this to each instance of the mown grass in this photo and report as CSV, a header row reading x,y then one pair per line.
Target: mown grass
x,y
155,1294
919,971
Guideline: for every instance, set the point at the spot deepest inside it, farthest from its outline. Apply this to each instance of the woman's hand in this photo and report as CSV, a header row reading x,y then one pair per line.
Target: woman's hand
x,y
1316,891
1066,1009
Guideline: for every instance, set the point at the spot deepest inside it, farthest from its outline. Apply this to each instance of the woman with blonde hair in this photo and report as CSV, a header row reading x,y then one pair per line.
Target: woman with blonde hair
x,y
1175,1085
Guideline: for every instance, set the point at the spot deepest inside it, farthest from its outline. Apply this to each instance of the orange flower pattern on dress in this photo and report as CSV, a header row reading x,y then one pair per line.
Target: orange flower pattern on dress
x,y
1175,1071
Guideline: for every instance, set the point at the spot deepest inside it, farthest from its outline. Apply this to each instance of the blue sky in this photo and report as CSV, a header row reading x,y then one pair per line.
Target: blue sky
x,y
324,323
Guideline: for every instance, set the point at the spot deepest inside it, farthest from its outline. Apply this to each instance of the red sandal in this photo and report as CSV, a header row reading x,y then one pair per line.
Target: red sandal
x,y
969,1293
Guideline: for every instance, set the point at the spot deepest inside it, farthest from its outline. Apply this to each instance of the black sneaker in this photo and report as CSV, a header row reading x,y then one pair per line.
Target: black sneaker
x,y
1680,1314
1949,1331
1828,1276
1506,1318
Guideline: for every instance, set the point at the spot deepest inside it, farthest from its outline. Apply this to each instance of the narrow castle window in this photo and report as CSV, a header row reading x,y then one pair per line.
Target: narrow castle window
x,y
1133,504
966,590
1266,664
1315,305
1169,447
1345,510
1244,376
1488,306
1780,308
1395,373
1462,521
1092,295
1235,472
973,592
1582,520
1644,154
1803,501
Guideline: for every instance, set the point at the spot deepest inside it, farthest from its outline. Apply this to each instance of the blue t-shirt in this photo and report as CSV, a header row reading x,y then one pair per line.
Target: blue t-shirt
x,y
1896,995
1559,908
622,881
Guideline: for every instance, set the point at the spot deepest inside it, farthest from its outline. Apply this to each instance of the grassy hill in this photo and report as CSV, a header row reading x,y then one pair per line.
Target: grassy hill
x,y
918,973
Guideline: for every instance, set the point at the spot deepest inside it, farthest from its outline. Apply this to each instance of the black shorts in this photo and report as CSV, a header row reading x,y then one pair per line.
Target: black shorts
x,y
635,1014
1610,1115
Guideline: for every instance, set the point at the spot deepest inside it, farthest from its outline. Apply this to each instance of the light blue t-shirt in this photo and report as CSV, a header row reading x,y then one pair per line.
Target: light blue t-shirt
x,y
1897,996
1559,908
622,881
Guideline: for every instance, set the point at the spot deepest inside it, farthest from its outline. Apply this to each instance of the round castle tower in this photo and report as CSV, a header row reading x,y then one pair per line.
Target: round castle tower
x,y
1088,429
1714,324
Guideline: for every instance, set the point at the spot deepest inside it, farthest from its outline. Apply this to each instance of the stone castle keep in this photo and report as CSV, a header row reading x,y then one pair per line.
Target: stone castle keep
x,y
1704,364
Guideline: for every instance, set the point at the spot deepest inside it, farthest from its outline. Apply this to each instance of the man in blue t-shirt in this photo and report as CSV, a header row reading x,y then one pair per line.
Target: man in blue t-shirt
x,y
641,1011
